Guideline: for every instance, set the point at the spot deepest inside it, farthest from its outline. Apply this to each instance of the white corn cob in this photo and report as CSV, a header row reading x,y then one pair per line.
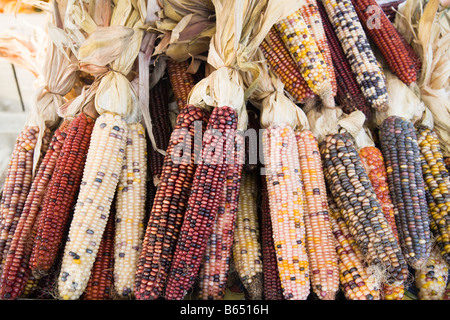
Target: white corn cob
x,y
130,211
247,251
98,186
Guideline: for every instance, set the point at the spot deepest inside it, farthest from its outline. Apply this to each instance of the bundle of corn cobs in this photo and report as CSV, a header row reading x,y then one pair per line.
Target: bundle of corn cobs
x,y
140,172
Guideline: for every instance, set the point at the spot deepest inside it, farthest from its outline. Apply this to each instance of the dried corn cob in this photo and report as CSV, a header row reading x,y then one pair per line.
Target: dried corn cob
x,y
159,113
303,48
100,284
130,210
356,280
321,253
100,178
382,32
182,81
373,162
285,67
356,47
310,12
349,95
31,287
398,144
170,203
203,203
286,209
17,185
246,246
61,195
16,272
271,279
431,280
353,194
213,274
437,188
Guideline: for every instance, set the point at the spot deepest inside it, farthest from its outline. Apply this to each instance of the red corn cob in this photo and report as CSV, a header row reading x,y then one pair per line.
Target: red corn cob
x,y
100,283
17,185
61,195
169,205
349,94
271,279
386,38
182,81
15,270
209,180
216,265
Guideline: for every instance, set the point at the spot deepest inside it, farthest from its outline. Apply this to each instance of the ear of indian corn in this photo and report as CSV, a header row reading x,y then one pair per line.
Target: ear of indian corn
x,y
373,162
356,280
16,271
247,254
286,203
431,279
382,32
99,183
130,210
349,95
213,274
401,153
310,12
354,196
181,80
61,195
159,113
437,188
271,279
303,48
170,204
358,52
101,282
17,185
285,67
324,272
203,203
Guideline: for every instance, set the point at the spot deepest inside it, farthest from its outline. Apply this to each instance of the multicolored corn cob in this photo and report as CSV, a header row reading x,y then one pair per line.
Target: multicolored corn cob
x,y
213,274
310,12
170,204
247,255
383,33
401,153
351,190
322,256
99,183
130,210
203,203
271,280
431,280
358,52
286,202
373,162
284,66
182,81
303,48
16,272
101,282
61,195
349,95
437,188
357,282
17,185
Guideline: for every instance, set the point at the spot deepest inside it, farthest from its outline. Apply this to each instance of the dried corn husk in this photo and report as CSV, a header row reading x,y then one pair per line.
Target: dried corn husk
x,y
240,28
56,71
185,28
426,26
